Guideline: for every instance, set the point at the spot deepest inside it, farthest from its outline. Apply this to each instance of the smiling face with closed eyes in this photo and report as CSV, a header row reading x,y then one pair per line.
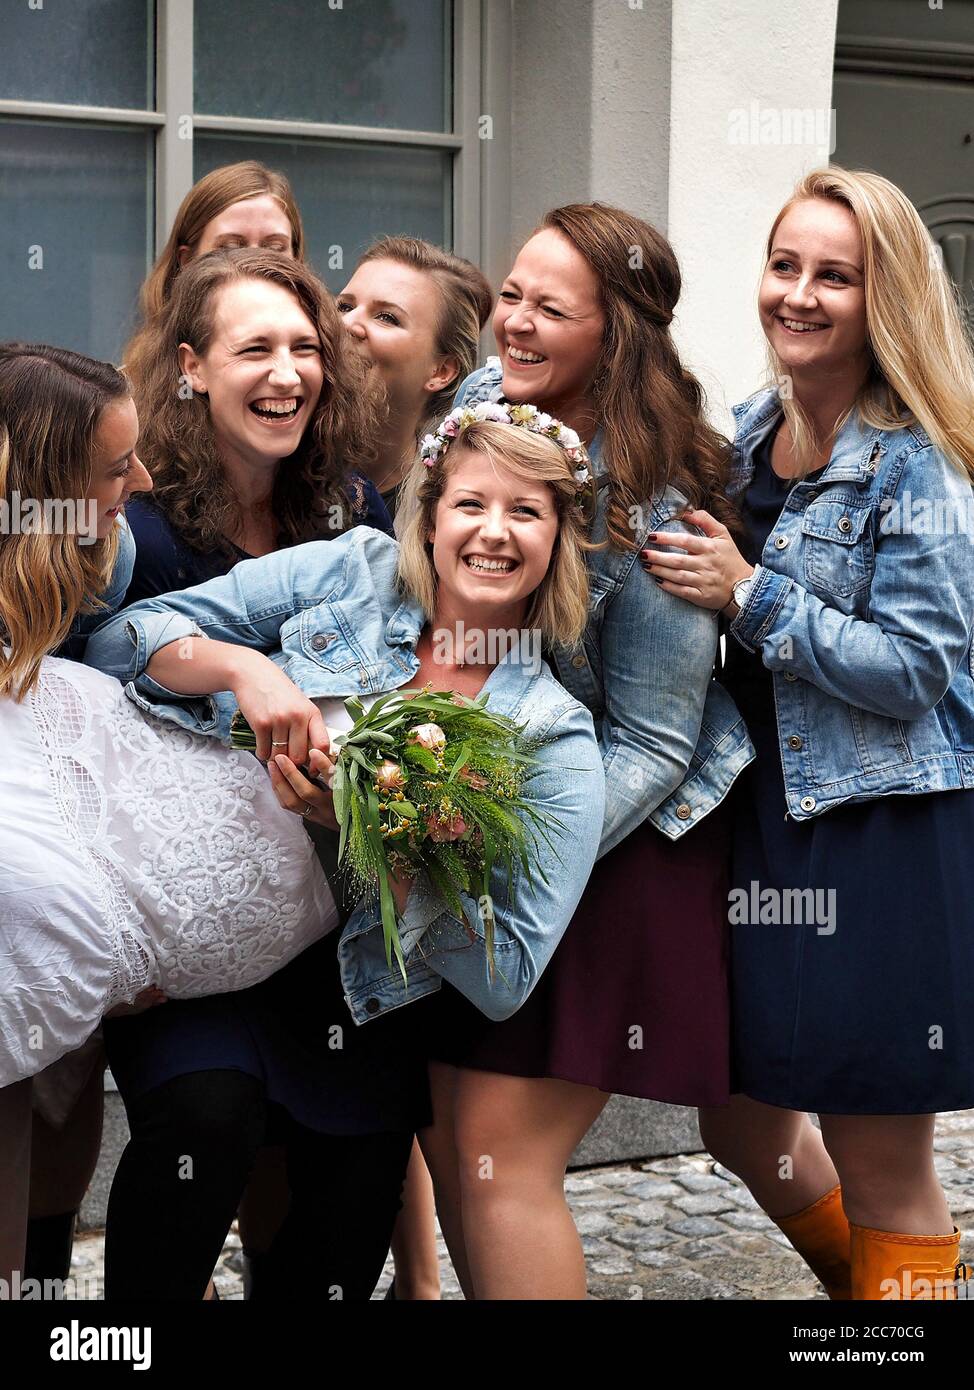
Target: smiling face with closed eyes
x,y
549,325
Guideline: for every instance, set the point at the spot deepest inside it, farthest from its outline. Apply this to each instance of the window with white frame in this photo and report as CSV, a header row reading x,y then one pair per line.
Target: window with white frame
x,y
110,109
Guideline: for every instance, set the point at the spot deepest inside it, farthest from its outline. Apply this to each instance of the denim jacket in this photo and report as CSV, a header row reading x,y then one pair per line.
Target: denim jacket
x,y
672,739
864,611
330,615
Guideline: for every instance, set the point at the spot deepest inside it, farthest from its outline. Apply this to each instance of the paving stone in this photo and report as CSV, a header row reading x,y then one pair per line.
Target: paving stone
x,y
593,1223
581,1202
679,1164
643,1237
748,1220
617,1263
703,1203
621,1177
650,1189
648,1213
696,1226
595,1246
701,1182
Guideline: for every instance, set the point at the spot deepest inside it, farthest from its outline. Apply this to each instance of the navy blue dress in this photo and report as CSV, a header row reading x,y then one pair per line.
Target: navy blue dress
x,y
862,1005
293,1032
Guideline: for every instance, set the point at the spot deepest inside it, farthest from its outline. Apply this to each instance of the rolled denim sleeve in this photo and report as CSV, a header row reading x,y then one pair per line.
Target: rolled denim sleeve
x,y
657,660
248,606
530,916
900,661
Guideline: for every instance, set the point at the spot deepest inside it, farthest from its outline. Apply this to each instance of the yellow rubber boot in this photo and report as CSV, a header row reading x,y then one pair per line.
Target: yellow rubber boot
x,y
820,1234
887,1265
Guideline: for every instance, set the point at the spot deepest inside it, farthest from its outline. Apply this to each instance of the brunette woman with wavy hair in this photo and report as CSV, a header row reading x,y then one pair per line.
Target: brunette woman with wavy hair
x,y
635,998
194,441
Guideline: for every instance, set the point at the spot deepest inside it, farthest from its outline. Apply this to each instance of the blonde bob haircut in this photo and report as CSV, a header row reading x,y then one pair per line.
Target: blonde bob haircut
x,y
922,363
51,404
559,605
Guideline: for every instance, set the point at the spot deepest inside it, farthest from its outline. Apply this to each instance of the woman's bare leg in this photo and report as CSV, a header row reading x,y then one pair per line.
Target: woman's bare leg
x,y
885,1164
515,1136
15,1118
439,1146
414,1235
778,1153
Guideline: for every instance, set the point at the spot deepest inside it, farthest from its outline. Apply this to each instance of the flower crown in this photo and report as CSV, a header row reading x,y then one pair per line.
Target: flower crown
x,y
527,417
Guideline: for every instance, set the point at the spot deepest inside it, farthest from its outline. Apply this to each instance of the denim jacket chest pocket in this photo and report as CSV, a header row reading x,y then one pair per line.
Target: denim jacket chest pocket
x,y
321,636
838,547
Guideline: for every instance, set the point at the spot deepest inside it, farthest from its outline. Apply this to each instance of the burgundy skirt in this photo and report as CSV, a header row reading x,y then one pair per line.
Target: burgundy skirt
x,y
635,998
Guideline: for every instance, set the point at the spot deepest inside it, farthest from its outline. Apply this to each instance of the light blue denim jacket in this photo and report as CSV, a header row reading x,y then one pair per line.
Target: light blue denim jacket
x,y
672,739
864,612
330,615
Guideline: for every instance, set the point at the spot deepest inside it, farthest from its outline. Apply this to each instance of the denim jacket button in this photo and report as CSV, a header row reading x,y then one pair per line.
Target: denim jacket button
x,y
684,812
363,676
845,525
372,1006
319,642
579,661
790,676
780,542
794,742
808,803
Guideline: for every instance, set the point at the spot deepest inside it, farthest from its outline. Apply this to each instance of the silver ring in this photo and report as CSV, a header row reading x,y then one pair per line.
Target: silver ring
x,y
281,743
308,810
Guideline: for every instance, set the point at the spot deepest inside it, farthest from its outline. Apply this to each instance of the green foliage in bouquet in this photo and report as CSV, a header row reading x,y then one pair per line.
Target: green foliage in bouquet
x,y
431,784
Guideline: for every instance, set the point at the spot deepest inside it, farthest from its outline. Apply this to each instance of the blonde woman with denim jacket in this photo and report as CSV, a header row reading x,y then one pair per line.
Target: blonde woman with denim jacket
x,y
635,999
850,655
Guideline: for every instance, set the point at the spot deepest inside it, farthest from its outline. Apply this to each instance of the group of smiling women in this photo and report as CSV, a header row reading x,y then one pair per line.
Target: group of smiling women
x,y
277,543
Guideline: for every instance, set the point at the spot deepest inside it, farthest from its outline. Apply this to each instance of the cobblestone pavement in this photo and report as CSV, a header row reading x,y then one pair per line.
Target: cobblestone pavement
x,y
669,1228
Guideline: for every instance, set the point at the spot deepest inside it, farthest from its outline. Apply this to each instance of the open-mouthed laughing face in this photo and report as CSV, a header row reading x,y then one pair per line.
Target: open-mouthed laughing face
x,y
493,534
262,371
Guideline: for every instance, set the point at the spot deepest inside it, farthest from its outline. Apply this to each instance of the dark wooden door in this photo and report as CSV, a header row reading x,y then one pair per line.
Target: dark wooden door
x,y
904,104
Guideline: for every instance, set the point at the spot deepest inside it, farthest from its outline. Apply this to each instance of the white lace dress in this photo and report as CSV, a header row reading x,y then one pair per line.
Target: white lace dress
x,y
133,853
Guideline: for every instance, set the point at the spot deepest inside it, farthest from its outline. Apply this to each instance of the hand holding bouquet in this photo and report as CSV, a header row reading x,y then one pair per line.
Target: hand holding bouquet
x,y
431,784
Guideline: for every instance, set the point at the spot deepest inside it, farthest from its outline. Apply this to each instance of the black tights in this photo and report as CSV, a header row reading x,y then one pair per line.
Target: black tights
x,y
182,1174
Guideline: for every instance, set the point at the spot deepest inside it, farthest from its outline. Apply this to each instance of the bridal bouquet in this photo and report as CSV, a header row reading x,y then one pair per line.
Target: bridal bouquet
x,y
431,784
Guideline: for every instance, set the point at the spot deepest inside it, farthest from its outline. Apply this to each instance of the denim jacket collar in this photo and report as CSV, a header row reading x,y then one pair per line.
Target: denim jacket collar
x,y
855,453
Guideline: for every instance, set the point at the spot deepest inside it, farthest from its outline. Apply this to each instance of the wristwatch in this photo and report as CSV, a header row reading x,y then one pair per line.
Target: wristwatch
x,y
743,587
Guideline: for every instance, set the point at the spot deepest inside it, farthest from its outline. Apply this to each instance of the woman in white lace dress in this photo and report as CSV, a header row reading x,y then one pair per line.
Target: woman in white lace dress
x,y
134,856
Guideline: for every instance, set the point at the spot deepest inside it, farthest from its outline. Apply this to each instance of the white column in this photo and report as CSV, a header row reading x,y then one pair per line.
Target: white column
x,y
741,75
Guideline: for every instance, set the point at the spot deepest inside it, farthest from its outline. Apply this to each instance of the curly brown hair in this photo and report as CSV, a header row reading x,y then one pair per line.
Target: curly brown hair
x,y
313,497
649,407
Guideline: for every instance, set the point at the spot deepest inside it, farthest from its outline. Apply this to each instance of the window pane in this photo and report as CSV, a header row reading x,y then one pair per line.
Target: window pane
x,y
76,205
372,62
348,194
86,52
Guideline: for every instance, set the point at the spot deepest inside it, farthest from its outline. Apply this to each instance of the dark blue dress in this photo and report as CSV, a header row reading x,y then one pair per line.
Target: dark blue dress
x,y
862,1004
293,1032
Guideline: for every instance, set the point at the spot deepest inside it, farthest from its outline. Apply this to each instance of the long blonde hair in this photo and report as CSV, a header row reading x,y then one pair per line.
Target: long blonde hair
x,y
559,605
922,363
212,195
51,403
